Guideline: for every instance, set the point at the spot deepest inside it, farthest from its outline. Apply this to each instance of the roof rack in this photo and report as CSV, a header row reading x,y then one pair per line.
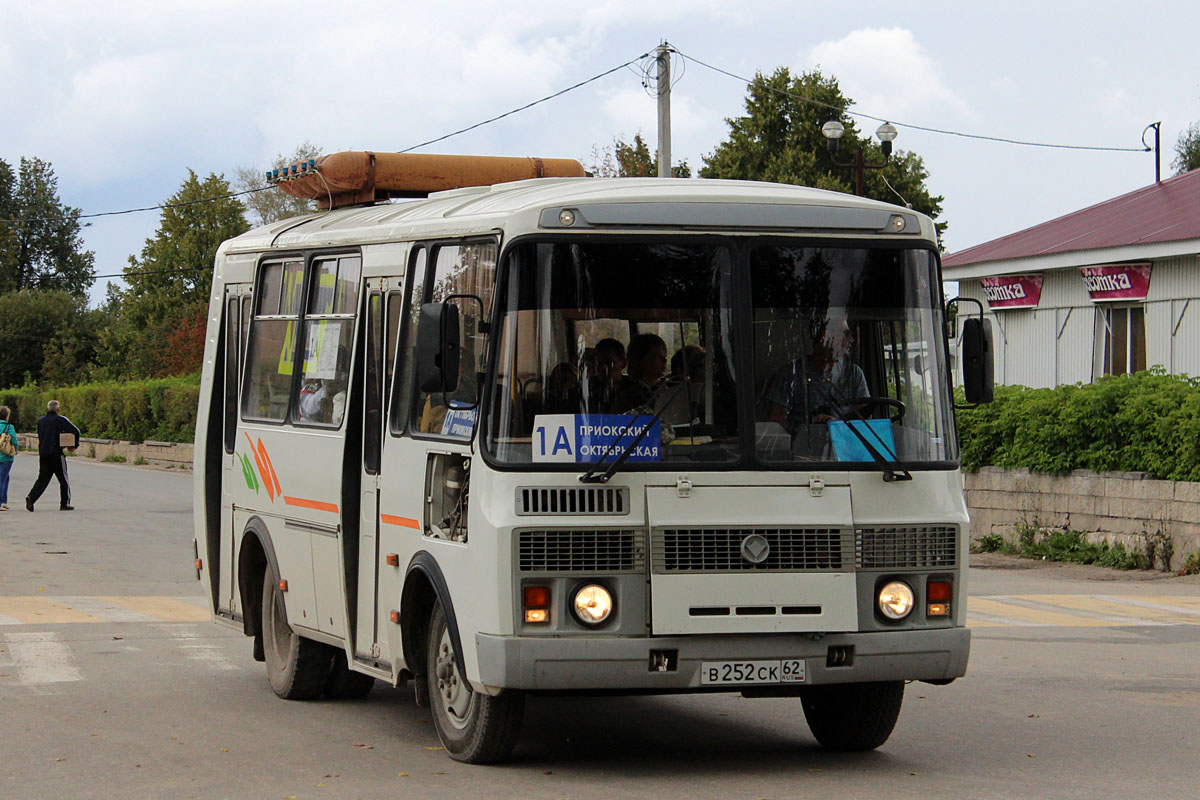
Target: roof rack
x,y
356,178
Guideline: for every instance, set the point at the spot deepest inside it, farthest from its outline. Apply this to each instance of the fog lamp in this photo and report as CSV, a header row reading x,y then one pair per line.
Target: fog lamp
x,y
896,600
593,604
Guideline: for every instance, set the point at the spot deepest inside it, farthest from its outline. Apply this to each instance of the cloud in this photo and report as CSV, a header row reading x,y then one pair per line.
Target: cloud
x,y
889,74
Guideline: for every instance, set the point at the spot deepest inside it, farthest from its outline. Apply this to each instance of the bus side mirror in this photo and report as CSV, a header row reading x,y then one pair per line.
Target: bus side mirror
x,y
438,348
975,353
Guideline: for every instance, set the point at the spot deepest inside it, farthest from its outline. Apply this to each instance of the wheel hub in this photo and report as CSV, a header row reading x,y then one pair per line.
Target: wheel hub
x,y
456,694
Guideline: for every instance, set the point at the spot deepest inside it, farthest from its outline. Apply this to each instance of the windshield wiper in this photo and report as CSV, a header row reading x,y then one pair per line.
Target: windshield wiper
x,y
591,477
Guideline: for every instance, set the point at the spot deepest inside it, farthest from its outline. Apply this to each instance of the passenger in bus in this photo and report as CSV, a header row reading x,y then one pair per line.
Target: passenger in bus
x,y
822,386
687,366
562,390
647,364
602,382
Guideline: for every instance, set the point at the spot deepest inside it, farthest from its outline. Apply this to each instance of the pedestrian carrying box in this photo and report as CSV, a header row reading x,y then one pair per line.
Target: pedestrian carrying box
x,y
67,440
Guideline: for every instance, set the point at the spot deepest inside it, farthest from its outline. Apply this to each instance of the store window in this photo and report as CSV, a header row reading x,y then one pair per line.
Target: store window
x,y
1120,340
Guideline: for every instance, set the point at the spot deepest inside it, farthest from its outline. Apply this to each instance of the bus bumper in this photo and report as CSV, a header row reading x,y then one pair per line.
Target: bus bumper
x,y
599,663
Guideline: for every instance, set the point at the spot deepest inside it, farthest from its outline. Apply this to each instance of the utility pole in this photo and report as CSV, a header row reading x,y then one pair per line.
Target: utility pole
x,y
664,110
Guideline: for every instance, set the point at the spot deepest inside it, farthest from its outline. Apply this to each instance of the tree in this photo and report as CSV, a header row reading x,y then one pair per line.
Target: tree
x,y
269,204
779,139
1187,150
166,300
40,244
631,160
34,323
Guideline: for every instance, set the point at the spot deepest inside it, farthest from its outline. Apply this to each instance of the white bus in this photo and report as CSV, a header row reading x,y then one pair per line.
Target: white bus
x,y
585,435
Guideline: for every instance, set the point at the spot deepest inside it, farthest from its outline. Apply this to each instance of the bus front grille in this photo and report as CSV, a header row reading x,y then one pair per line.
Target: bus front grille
x,y
721,550
906,546
600,500
581,551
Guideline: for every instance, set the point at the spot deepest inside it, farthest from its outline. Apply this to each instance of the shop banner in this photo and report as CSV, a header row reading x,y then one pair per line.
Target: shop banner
x,y
1117,282
1013,291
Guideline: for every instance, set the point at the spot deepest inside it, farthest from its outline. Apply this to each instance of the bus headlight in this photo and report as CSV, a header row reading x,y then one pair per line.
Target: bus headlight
x,y
593,604
896,600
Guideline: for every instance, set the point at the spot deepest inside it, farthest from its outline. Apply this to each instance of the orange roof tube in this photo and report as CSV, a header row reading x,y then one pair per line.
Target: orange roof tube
x,y
355,178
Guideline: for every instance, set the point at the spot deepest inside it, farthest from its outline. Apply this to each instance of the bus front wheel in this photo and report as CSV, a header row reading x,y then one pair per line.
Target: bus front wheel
x,y
474,728
297,668
853,716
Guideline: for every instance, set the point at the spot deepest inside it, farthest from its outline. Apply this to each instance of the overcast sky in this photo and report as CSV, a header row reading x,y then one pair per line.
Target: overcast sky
x,y
122,98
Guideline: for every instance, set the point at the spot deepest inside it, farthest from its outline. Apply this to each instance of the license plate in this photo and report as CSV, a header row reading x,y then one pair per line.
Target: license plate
x,y
788,670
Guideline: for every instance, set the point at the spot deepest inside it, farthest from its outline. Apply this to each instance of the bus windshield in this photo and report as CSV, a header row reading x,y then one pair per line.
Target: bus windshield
x,y
605,346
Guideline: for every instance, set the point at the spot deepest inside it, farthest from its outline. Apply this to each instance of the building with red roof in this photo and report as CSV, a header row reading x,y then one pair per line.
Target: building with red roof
x,y
1106,290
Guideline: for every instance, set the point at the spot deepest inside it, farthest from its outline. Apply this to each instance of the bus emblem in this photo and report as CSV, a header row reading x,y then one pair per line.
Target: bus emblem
x,y
755,548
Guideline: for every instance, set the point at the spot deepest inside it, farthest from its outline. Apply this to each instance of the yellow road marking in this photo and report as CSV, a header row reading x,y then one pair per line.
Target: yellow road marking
x,y
41,610
1137,614
1017,612
166,609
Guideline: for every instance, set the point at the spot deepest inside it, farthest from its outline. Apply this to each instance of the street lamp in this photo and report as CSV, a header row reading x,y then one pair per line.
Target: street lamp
x,y
886,132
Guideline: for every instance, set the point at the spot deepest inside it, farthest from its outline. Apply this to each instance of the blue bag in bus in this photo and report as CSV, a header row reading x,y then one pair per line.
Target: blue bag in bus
x,y
847,446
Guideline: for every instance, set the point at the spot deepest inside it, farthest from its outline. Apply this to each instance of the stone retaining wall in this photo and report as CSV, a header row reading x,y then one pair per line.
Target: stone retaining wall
x,y
162,454
1124,507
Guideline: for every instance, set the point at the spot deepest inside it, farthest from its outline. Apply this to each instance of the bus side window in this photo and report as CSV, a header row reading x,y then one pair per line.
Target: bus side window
x,y
232,351
465,269
271,350
407,341
373,396
328,340
391,335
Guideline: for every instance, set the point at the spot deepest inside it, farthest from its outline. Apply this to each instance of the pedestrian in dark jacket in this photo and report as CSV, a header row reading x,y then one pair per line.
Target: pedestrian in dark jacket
x,y
53,462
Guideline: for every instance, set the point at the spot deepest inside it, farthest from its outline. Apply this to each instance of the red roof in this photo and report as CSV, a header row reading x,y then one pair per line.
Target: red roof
x,y
1162,212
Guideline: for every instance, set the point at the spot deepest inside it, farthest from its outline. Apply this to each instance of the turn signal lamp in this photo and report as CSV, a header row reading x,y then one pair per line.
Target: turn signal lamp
x,y
937,598
537,603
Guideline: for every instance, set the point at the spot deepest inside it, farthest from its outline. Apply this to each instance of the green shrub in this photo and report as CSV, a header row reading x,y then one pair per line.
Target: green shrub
x,y
1147,422
991,543
113,458
161,410
1192,565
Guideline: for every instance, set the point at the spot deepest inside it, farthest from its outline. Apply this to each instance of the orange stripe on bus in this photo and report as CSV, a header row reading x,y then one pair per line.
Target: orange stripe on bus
x,y
274,478
314,504
262,469
403,522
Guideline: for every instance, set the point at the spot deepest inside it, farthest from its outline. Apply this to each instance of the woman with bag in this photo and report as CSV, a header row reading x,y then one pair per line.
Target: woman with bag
x,y
8,449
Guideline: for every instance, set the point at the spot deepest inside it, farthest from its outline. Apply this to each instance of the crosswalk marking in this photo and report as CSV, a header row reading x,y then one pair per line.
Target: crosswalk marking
x,y
1081,611
58,610
41,658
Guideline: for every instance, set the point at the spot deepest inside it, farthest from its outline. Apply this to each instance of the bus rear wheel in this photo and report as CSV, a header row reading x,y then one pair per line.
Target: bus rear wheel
x,y
474,728
853,716
297,668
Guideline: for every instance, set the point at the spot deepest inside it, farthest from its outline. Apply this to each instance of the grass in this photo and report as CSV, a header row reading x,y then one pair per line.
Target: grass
x,y
139,461
1071,547
113,458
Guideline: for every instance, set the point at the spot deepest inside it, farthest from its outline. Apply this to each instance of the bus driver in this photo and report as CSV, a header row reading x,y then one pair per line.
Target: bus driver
x,y
823,386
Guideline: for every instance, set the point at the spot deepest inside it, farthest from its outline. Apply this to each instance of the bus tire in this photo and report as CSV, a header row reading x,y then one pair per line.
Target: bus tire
x,y
346,684
297,668
474,728
853,716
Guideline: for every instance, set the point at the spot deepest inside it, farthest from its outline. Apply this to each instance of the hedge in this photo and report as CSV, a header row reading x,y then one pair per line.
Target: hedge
x,y
161,410
1147,422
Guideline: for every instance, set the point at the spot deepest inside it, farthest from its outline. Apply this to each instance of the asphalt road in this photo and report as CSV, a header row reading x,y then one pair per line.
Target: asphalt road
x,y
114,684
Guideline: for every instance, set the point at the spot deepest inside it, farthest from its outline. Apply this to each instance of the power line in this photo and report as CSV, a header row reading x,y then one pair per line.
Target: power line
x,y
910,125
405,150
530,105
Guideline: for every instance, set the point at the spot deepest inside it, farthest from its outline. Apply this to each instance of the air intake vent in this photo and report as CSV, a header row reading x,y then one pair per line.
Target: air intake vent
x,y
721,550
577,500
581,551
906,546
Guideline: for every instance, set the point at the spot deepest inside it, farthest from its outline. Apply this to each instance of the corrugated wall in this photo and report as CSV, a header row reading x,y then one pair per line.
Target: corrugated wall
x,y
1055,343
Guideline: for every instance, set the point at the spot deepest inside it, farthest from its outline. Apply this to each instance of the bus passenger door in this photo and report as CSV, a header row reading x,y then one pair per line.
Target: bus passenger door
x,y
231,468
366,635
